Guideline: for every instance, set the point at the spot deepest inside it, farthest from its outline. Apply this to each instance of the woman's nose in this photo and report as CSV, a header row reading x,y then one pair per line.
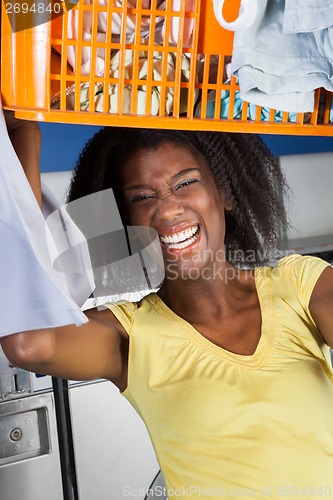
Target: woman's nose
x,y
169,207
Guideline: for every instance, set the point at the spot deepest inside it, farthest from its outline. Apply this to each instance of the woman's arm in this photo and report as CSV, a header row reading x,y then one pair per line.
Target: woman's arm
x,y
321,305
26,139
97,349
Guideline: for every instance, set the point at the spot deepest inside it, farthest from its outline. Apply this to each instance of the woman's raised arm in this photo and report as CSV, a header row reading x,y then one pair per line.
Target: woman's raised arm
x,y
321,305
26,139
97,349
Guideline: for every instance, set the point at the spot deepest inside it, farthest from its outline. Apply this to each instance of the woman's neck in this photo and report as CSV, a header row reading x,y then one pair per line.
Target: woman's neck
x,y
208,297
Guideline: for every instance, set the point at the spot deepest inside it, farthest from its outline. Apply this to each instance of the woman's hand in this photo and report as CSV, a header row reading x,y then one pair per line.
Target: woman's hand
x,y
26,139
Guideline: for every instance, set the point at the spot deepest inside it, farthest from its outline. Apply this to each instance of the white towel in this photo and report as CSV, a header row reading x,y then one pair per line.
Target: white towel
x,y
33,295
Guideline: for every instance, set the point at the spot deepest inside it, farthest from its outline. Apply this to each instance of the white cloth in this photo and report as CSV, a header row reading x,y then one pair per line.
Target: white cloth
x,y
73,33
281,70
150,66
33,294
114,32
175,34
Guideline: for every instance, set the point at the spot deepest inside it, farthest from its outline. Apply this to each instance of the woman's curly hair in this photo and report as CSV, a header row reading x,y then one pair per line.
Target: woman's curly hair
x,y
241,164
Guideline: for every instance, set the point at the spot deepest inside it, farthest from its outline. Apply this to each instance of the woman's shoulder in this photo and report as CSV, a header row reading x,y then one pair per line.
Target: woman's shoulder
x,y
125,310
300,264
301,271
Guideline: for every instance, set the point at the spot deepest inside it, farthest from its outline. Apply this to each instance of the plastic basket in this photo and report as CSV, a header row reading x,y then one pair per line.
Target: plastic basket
x,y
150,77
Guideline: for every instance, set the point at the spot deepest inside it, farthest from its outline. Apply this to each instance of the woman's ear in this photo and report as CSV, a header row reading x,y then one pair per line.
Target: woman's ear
x,y
226,199
228,205
227,202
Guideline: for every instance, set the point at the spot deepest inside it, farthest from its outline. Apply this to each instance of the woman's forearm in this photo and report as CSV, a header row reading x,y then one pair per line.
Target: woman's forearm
x,y
26,139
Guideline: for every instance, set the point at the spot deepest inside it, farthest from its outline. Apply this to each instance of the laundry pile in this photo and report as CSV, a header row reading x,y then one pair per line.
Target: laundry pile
x,y
282,52
137,65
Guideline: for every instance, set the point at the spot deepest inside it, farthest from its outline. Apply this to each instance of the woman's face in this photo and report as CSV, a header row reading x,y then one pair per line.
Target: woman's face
x,y
173,191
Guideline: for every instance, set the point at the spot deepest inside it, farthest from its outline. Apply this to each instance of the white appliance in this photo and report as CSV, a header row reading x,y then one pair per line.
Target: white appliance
x,y
29,451
113,454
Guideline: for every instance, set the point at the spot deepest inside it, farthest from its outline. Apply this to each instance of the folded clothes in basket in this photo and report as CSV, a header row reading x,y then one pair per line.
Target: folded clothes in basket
x,y
285,54
83,31
144,66
238,106
251,114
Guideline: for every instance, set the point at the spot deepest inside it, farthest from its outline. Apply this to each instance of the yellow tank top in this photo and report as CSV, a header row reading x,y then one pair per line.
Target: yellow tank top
x,y
225,425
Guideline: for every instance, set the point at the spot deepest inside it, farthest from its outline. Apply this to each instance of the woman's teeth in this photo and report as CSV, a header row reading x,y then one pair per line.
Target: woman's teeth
x,y
181,239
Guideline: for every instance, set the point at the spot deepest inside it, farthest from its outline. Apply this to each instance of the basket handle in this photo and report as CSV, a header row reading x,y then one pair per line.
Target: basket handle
x,y
246,17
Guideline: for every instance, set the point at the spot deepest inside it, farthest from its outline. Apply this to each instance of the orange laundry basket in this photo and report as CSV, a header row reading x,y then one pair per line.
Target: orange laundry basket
x,y
144,63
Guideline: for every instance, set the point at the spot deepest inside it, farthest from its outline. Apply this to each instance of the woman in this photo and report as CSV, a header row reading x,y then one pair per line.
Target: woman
x,y
228,366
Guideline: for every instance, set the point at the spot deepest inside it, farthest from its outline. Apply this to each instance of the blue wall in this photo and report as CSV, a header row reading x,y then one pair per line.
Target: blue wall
x,y
63,143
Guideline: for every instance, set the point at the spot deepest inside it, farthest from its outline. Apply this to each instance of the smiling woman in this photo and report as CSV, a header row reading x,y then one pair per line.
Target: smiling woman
x,y
240,166
180,200
230,354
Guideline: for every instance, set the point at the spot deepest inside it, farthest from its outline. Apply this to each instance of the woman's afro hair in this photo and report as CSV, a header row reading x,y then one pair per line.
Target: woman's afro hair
x,y
241,164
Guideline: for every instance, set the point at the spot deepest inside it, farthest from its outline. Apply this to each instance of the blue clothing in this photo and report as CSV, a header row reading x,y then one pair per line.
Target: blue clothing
x,y
281,70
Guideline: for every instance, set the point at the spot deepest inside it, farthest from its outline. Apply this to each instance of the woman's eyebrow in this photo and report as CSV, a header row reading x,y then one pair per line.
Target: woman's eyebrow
x,y
134,187
137,186
185,171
